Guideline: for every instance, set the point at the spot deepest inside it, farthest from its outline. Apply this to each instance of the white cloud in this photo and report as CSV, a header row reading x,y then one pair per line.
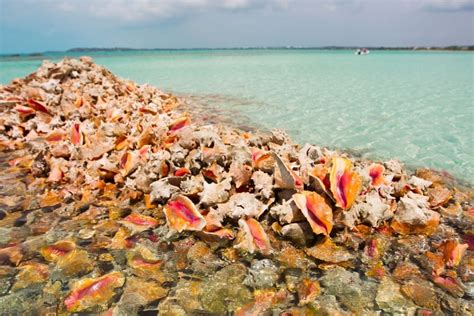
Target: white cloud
x,y
448,5
137,10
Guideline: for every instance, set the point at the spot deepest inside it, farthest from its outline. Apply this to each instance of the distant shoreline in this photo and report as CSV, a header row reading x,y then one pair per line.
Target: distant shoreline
x,y
463,48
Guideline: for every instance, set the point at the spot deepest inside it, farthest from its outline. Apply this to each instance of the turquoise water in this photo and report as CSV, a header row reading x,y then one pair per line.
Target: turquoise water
x,y
415,106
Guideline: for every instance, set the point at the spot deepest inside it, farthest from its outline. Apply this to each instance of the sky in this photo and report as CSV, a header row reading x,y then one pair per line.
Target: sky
x,y
28,26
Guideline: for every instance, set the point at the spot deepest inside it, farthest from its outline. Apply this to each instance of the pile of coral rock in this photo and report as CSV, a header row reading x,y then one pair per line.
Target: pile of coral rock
x,y
113,199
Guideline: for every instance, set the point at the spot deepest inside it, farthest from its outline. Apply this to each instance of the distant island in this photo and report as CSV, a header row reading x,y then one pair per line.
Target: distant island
x,y
127,49
422,48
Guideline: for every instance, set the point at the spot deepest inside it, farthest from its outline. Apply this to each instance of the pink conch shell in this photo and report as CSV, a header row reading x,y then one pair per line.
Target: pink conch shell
x,y
285,178
24,110
345,183
262,160
376,174
222,233
56,174
138,223
87,293
182,172
256,238
181,214
76,135
453,252
179,123
128,163
57,250
38,106
317,212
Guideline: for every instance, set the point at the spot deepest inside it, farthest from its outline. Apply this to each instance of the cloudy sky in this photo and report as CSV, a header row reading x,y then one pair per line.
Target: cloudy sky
x,y
40,25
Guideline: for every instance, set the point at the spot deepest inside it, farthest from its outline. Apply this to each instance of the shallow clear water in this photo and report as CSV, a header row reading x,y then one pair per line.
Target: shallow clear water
x,y
415,106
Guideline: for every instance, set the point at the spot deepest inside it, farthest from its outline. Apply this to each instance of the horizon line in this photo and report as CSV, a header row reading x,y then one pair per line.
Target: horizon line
x,y
466,47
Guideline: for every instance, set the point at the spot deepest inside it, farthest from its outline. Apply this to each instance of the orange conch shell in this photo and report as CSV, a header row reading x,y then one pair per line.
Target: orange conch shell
x,y
57,250
38,106
316,210
345,183
87,293
144,264
285,178
138,223
179,123
256,238
128,163
76,136
262,160
376,174
181,214
453,252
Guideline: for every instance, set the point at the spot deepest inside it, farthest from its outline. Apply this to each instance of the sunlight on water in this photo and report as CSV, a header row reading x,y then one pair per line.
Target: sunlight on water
x,y
415,106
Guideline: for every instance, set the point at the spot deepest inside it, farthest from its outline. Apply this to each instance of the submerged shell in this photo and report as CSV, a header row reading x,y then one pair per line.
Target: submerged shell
x,y
255,238
453,252
181,214
137,222
144,264
87,293
345,183
57,250
317,212
30,273
328,251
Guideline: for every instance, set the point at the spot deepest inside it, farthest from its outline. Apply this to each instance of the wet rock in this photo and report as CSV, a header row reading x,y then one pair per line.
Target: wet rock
x,y
421,293
139,292
262,274
299,233
349,289
308,291
291,257
390,299
329,252
202,260
224,291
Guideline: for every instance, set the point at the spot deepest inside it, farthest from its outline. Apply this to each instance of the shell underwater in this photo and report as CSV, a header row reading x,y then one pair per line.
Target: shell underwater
x,y
114,200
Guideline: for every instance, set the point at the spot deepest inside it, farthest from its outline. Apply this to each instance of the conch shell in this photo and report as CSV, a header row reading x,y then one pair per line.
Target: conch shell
x,y
138,223
179,123
262,160
87,293
181,214
345,183
76,135
255,237
285,178
376,174
317,212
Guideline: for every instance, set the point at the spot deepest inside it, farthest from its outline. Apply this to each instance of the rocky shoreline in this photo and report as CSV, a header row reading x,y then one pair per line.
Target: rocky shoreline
x,y
114,200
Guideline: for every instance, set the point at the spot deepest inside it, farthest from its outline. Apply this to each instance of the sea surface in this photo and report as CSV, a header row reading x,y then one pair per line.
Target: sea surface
x,y
417,106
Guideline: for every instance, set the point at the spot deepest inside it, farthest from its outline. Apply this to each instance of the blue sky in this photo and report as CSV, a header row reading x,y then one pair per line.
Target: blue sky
x,y
40,25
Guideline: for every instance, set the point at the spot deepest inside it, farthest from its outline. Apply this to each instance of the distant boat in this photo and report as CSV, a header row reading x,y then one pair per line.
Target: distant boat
x,y
363,51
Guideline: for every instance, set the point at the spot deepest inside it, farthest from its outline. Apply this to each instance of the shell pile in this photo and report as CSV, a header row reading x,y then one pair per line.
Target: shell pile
x,y
112,199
